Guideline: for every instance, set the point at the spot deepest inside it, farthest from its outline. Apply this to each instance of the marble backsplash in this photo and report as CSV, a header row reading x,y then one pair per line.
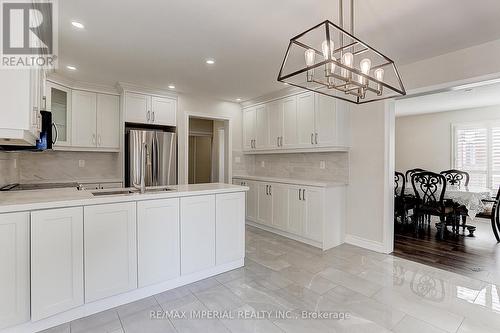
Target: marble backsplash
x,y
304,166
57,166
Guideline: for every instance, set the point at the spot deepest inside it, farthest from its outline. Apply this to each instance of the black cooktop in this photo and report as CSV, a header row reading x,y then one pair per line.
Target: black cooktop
x,y
40,186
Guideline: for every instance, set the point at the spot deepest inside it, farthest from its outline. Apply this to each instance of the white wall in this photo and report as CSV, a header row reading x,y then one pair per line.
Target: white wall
x,y
188,104
424,141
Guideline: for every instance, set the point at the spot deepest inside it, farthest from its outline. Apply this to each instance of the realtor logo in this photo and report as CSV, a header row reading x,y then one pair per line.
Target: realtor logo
x,y
28,33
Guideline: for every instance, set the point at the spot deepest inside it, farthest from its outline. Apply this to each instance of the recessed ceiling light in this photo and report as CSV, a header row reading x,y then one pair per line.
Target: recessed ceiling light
x,y
238,100
210,61
286,84
77,25
71,68
171,86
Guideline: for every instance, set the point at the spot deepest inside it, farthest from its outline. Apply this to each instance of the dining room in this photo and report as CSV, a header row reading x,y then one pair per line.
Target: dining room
x,y
447,180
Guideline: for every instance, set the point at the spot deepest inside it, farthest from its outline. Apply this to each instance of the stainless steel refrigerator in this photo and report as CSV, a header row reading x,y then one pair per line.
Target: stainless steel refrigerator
x,y
160,160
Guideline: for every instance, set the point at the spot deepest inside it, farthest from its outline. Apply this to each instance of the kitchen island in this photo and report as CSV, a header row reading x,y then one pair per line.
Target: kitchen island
x,y
66,254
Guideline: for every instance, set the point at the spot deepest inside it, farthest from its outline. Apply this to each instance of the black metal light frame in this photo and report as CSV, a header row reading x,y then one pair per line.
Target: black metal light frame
x,y
396,91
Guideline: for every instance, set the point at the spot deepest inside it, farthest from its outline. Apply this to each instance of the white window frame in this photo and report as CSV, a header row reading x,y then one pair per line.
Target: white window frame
x,y
488,124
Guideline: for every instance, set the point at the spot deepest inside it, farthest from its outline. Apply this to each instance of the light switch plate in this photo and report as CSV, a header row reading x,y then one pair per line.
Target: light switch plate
x,y
81,163
322,165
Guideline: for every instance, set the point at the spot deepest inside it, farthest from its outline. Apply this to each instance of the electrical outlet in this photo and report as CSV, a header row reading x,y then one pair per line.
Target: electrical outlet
x,y
237,159
322,165
262,164
81,163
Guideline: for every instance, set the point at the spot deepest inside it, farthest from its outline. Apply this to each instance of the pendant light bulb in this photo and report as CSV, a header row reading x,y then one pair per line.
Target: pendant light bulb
x,y
347,60
327,49
379,74
365,66
310,54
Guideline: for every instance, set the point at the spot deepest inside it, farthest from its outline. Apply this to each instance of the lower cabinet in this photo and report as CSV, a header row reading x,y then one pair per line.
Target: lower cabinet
x,y
264,204
110,250
197,233
313,222
56,261
279,198
14,269
296,210
158,255
230,227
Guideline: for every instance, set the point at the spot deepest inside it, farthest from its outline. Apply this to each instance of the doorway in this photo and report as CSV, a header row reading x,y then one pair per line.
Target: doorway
x,y
207,150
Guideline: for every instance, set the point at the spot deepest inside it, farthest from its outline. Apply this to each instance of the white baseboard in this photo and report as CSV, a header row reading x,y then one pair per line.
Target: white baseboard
x,y
365,243
114,301
286,234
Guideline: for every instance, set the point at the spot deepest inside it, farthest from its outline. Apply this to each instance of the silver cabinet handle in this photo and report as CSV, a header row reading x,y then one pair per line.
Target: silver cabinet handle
x,y
153,118
54,140
316,138
267,189
270,190
149,115
304,194
278,141
312,138
299,195
281,141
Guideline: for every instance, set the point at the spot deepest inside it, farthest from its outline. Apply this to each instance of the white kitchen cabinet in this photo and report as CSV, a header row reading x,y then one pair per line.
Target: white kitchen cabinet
x,y
251,200
56,261
305,119
197,233
264,204
311,214
275,110
108,121
84,115
158,248
163,111
249,121
279,197
110,250
147,109
262,127
290,123
59,104
14,269
229,227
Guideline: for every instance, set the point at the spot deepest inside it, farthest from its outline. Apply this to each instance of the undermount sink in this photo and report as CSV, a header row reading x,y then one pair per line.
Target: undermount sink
x,y
119,192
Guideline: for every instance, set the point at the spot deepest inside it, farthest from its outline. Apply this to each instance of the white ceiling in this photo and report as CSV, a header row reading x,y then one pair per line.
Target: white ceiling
x,y
467,98
158,42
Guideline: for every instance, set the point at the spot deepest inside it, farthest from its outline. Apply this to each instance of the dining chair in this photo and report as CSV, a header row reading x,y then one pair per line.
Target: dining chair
x,y
492,212
458,178
411,172
429,189
399,195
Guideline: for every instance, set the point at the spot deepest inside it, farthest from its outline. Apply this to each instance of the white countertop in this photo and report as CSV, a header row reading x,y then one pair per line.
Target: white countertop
x,y
15,201
291,181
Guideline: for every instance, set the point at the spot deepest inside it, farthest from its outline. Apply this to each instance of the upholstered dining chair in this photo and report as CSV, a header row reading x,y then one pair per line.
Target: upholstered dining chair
x,y
492,213
429,189
458,178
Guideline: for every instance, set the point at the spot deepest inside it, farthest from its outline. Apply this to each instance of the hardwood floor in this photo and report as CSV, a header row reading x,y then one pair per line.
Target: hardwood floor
x,y
477,257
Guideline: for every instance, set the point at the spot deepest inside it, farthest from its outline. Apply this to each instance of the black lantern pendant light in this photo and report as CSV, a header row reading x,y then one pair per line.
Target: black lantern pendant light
x,y
329,60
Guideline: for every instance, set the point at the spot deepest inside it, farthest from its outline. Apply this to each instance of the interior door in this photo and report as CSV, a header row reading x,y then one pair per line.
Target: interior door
x,y
305,119
262,127
164,111
264,206
249,119
325,121
279,195
275,110
84,118
108,121
290,129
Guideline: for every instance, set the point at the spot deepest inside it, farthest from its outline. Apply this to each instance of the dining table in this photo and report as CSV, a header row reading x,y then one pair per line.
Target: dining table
x,y
471,197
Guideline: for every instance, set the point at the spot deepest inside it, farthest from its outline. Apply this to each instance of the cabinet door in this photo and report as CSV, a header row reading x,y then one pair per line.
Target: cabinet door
x,y
158,252
290,130
110,250
251,201
264,204
325,121
249,119
197,233
305,119
275,110
59,104
262,127
137,108
297,210
14,269
108,121
83,118
163,111
56,261
279,195
313,227
230,227
35,102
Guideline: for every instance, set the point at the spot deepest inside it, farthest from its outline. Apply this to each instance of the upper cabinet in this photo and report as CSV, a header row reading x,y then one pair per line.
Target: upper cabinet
x,y
147,109
58,102
304,122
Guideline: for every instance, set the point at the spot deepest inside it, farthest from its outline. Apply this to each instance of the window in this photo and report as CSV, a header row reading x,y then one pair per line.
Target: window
x,y
477,151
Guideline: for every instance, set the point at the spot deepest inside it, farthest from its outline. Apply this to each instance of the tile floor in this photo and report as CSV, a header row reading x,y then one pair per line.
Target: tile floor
x,y
380,293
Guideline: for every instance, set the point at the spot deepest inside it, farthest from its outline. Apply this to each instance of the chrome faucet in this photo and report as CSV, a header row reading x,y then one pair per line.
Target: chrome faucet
x,y
142,185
